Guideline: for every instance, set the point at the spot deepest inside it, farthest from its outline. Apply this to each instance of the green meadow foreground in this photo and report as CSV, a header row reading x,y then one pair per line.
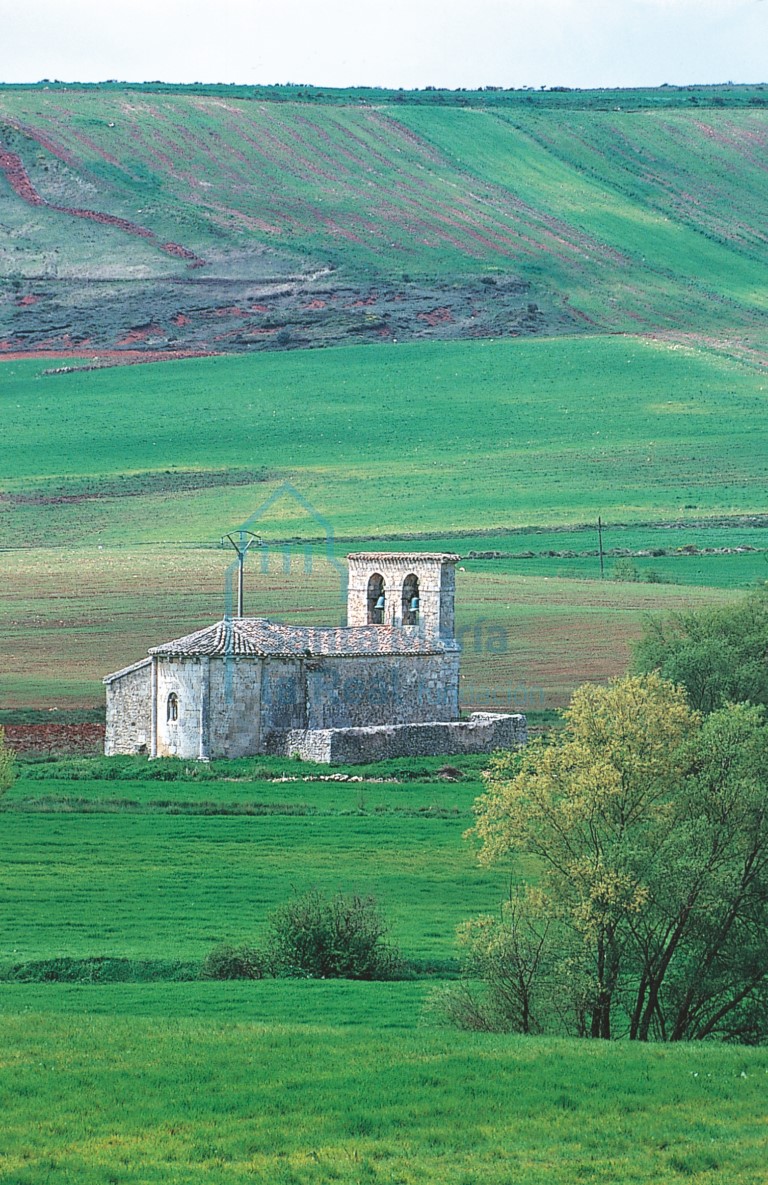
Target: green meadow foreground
x,y
117,488
302,1081
313,1082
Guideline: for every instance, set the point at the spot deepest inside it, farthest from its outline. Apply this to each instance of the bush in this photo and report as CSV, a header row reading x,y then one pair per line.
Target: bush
x,y
648,826
233,962
7,765
717,654
625,570
342,937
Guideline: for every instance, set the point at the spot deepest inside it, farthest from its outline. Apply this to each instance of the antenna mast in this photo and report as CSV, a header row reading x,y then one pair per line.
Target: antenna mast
x,y
241,540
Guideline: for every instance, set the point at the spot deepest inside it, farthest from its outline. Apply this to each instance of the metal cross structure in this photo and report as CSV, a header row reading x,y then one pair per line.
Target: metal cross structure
x,y
242,541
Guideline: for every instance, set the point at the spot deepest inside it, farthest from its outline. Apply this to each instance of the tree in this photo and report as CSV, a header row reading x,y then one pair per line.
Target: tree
x,y
648,829
7,765
719,655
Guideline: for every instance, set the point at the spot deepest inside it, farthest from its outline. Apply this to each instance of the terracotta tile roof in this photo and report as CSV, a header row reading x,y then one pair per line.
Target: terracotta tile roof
x,y
443,557
255,636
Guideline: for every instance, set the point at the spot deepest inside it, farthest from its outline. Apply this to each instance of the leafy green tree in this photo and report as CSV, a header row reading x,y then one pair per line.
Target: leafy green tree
x,y
648,833
719,655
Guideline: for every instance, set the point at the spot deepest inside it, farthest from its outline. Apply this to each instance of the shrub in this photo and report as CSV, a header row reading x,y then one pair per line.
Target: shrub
x,y
7,765
625,570
233,962
342,937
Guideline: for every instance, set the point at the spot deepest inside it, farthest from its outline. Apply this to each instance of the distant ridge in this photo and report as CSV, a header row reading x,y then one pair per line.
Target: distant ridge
x,y
178,220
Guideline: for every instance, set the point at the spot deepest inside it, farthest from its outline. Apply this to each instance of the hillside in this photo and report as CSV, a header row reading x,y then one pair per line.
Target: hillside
x,y
188,220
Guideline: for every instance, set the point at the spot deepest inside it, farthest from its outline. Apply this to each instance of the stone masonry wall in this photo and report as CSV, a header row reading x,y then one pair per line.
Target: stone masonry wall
x,y
232,713
381,689
129,712
182,678
482,733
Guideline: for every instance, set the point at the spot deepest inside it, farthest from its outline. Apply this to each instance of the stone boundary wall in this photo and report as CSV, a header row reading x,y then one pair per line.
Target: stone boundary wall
x,y
482,733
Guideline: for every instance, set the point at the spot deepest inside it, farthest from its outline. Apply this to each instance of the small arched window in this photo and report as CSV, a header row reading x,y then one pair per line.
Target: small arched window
x,y
411,600
172,707
376,599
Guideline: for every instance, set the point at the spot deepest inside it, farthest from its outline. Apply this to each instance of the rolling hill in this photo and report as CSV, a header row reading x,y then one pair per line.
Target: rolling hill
x,y
195,220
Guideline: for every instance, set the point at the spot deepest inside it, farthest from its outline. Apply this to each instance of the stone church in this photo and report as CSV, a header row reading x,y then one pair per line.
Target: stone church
x,y
386,685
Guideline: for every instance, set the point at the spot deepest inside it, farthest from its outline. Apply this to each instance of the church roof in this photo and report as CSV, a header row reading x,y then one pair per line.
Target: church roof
x,y
242,637
441,557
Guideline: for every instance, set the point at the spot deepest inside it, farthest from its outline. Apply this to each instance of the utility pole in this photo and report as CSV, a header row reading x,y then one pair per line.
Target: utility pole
x,y
600,542
241,541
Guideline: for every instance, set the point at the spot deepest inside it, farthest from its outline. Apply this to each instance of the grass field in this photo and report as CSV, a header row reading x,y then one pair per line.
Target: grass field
x,y
69,617
119,484
212,1092
304,1081
447,437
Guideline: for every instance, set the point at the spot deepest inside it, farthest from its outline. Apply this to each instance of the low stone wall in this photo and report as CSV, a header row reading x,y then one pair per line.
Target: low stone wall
x,y
482,733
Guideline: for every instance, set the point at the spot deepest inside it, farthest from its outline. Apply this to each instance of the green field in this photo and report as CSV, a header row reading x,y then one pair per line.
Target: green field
x,y
119,484
430,437
303,1081
215,1092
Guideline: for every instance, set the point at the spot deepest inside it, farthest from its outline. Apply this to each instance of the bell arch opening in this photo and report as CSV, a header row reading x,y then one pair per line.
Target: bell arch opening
x,y
410,606
376,599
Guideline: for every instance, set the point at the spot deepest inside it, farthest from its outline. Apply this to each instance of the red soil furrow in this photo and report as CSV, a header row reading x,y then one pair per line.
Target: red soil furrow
x,y
95,359
338,169
278,162
286,157
343,232
559,234
55,738
201,148
96,148
180,252
375,135
322,134
154,155
442,316
244,219
34,133
134,336
123,224
230,150
18,178
398,131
